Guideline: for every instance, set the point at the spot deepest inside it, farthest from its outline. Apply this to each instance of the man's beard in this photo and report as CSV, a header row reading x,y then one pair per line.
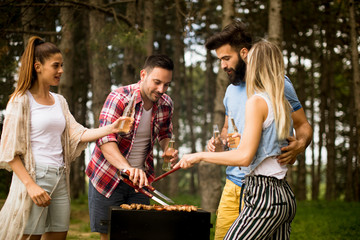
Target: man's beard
x,y
239,72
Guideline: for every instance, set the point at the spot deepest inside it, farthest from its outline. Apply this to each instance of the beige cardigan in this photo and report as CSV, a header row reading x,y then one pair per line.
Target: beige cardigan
x,y
15,140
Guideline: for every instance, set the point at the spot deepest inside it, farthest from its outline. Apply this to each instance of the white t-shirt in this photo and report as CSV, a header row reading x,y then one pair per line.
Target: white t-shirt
x,y
47,123
142,141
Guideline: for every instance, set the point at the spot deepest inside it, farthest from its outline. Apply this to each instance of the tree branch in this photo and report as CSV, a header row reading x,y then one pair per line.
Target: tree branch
x,y
100,9
47,33
71,3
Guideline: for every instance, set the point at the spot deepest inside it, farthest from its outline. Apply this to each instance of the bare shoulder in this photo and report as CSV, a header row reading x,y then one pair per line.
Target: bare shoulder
x,y
257,106
256,101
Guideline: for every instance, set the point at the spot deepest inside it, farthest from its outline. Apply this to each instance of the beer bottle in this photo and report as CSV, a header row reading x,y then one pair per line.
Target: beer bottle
x,y
233,142
129,113
219,146
168,154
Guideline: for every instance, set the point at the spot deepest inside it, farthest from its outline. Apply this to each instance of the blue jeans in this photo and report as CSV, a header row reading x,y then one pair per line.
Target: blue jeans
x,y
99,204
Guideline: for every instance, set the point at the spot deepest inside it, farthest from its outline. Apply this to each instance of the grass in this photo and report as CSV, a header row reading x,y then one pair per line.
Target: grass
x,y
318,220
326,220
80,221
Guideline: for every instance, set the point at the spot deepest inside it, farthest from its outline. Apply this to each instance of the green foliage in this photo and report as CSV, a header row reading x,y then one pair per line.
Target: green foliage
x,y
8,65
122,37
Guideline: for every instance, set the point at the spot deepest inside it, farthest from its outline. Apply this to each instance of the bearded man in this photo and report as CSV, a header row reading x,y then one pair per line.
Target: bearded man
x,y
232,45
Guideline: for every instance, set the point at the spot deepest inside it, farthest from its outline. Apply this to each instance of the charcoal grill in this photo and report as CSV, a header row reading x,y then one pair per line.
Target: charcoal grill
x,y
158,225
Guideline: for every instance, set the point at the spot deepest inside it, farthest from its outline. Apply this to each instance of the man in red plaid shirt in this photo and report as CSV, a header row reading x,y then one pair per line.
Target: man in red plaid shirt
x,y
131,151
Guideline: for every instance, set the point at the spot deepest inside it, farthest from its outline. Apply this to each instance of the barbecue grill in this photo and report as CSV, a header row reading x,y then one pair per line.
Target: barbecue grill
x,y
160,225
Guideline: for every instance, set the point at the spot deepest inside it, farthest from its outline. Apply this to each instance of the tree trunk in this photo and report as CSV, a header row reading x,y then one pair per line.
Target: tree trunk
x,y
349,181
209,90
207,100
322,123
176,85
331,133
81,83
149,26
74,53
314,166
222,80
275,22
67,48
189,116
210,174
129,69
100,77
66,89
330,146
26,20
356,89
210,186
301,171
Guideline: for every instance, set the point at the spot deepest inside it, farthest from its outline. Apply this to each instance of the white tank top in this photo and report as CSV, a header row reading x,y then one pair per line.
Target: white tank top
x,y
142,141
270,167
47,123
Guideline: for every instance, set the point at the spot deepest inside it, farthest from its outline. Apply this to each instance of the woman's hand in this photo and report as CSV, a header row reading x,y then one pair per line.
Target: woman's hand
x,y
189,160
38,195
120,123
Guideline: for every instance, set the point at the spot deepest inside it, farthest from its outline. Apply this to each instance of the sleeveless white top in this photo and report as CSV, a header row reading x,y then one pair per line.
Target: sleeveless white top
x,y
270,167
47,123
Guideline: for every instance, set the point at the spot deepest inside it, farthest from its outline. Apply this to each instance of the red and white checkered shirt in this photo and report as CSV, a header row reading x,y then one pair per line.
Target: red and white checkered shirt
x,y
101,173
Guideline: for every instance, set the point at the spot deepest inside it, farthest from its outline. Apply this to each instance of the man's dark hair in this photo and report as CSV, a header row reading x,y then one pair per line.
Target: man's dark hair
x,y
158,60
234,34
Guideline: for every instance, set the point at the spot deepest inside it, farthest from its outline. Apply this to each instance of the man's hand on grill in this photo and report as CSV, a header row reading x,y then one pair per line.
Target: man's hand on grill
x,y
138,177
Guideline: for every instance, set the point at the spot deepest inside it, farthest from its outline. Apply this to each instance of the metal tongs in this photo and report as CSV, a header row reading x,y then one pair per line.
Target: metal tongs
x,y
124,176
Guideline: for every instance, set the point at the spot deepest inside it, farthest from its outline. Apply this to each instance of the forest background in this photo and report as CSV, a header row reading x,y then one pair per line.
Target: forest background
x,y
104,44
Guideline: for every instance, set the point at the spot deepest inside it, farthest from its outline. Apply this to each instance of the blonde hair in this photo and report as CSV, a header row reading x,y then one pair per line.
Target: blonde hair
x,y
265,73
36,50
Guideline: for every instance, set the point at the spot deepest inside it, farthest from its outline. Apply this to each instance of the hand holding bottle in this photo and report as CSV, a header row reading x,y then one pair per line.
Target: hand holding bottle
x,y
122,125
218,141
210,146
128,115
233,139
170,156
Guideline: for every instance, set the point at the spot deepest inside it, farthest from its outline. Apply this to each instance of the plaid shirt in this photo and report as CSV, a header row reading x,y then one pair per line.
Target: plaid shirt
x,y
101,173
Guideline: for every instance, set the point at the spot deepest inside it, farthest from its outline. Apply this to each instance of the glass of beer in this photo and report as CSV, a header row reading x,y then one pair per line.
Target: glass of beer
x,y
168,155
126,124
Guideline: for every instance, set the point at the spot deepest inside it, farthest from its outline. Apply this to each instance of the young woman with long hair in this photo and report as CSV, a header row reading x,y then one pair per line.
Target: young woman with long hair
x,y
40,139
269,203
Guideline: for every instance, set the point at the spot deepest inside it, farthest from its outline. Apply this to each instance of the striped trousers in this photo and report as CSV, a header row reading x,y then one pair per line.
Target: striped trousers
x,y
269,208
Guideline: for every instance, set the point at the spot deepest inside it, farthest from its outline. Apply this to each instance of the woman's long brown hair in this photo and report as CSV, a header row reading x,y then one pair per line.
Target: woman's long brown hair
x,y
36,50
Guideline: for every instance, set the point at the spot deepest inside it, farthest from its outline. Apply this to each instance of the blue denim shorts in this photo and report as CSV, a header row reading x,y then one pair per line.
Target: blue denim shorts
x,y
56,216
